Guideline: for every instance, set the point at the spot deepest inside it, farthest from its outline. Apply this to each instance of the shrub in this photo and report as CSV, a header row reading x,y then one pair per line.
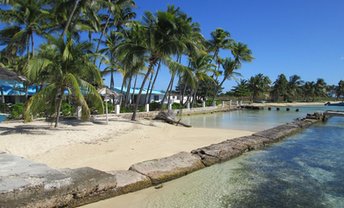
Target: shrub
x,y
17,111
176,106
67,109
154,106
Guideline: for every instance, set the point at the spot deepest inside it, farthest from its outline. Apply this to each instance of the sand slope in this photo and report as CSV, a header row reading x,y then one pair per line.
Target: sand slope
x,y
106,147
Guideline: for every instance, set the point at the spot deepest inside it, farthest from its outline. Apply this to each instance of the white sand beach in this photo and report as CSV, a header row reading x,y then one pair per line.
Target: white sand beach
x,y
106,147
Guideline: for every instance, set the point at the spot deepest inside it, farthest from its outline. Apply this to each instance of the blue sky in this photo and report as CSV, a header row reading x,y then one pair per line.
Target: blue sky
x,y
304,37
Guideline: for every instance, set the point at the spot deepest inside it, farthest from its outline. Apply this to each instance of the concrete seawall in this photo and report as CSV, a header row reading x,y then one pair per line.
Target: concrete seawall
x,y
27,184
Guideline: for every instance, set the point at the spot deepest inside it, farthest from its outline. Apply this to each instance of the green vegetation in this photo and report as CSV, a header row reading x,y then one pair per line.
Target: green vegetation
x,y
259,88
78,38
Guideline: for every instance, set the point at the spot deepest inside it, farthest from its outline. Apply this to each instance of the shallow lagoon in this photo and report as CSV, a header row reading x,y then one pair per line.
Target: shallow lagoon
x,y
305,170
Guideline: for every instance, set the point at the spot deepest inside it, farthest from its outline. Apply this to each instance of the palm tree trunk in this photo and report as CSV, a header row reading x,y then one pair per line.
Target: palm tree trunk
x,y
127,94
165,95
170,90
123,81
32,45
148,88
70,18
2,95
112,82
103,32
133,96
156,75
182,94
58,106
151,64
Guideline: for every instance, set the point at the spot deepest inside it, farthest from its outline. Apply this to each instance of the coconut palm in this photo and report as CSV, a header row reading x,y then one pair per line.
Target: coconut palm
x,y
280,88
294,86
258,84
68,70
26,18
340,89
156,38
320,88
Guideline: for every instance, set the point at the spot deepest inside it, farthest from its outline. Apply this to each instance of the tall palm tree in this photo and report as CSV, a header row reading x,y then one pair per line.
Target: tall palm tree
x,y
26,18
309,90
156,38
320,88
258,84
294,86
280,88
67,68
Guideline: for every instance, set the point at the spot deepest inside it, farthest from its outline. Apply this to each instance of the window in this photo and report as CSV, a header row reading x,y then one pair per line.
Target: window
x,y
156,97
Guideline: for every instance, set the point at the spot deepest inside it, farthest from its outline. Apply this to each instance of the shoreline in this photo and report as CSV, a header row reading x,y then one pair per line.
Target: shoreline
x,y
147,173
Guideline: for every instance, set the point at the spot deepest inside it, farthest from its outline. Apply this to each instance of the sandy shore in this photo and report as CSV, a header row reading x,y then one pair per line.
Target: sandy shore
x,y
106,147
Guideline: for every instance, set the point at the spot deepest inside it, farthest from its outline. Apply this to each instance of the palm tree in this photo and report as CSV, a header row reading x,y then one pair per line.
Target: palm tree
x,y
309,90
68,69
280,88
320,88
340,89
258,84
26,18
242,89
156,38
294,86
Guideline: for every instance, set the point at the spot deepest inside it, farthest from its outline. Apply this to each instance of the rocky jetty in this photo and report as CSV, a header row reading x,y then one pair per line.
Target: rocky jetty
x,y
168,168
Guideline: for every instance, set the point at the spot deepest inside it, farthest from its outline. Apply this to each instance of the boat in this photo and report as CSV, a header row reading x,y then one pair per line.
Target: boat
x,y
334,104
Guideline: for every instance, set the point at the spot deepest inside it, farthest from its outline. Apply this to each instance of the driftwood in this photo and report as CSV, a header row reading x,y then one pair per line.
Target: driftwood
x,y
169,117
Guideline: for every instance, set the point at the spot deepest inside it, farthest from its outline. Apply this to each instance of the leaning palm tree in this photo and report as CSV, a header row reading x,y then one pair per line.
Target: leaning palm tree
x,y
68,71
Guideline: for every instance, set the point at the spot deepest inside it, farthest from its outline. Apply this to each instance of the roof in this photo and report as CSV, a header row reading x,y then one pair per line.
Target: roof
x,y
7,75
137,90
17,89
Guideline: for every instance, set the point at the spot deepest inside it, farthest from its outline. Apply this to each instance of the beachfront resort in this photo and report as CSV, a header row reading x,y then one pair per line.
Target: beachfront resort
x,y
123,103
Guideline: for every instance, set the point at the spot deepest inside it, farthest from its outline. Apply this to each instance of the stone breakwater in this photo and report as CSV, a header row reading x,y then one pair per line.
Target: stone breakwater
x,y
27,184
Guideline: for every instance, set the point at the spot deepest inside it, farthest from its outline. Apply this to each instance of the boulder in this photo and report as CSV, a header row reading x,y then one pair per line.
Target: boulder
x,y
168,168
130,181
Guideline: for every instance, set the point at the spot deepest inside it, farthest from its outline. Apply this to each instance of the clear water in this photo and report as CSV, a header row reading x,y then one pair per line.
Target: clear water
x,y
253,120
305,170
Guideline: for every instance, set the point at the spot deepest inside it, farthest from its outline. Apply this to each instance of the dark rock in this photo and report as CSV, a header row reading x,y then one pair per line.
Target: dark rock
x,y
168,168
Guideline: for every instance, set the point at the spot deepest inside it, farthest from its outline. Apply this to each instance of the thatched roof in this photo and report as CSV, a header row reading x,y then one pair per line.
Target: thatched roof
x,y
8,75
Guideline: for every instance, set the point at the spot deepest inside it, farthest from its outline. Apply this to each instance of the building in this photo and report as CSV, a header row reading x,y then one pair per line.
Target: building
x,y
156,96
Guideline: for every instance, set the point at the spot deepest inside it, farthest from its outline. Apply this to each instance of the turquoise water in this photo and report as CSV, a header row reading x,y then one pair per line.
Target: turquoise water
x,y
304,170
253,120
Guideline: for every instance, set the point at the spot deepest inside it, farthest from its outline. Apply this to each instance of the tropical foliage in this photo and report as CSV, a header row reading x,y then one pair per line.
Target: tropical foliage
x,y
64,48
